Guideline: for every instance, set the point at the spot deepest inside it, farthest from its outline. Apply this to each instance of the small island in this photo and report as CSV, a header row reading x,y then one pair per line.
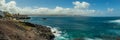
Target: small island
x,y
11,28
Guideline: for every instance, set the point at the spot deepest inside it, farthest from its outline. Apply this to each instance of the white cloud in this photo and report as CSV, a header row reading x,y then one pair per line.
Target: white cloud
x,y
81,4
110,10
80,8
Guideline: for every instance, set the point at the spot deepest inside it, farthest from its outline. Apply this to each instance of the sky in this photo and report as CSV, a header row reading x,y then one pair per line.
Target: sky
x,y
62,7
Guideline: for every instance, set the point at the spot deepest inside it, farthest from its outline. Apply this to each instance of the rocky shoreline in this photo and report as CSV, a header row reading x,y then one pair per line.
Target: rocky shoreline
x,y
18,30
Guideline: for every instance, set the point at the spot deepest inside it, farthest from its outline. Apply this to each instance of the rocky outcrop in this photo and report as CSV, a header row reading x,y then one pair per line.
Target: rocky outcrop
x,y
0,16
12,30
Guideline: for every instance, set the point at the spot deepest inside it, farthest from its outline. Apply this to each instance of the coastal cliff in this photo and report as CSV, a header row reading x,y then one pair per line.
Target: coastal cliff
x,y
18,30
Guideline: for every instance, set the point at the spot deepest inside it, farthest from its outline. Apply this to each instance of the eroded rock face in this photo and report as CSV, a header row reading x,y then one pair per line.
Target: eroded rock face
x,y
10,30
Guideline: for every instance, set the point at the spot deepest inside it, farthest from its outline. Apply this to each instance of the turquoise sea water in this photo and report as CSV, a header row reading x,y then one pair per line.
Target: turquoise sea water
x,y
83,28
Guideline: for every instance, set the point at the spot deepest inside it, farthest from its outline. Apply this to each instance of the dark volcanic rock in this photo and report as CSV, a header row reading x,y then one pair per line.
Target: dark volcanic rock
x,y
1,16
10,30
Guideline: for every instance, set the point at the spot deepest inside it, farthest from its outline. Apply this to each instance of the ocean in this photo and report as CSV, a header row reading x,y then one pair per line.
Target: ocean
x,y
82,28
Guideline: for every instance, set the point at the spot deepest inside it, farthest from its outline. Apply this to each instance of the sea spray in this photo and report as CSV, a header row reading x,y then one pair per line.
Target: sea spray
x,y
58,34
115,21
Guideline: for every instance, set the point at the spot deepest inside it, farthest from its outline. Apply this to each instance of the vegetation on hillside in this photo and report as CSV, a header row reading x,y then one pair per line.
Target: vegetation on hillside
x,y
7,14
11,29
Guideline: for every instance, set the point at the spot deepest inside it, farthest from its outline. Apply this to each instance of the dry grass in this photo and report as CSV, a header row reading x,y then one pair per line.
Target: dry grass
x,y
24,26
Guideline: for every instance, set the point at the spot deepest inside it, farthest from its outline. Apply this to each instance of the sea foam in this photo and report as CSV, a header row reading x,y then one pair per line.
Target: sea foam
x,y
115,21
93,39
58,34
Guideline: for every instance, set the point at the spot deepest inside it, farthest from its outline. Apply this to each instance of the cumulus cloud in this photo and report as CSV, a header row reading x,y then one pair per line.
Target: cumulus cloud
x,y
81,4
110,10
80,8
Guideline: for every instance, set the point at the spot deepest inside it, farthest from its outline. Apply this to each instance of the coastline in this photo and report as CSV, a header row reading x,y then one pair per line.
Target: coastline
x,y
17,30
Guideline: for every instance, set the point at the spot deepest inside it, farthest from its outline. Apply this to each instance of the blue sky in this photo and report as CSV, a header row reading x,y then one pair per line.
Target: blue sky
x,y
68,3
99,5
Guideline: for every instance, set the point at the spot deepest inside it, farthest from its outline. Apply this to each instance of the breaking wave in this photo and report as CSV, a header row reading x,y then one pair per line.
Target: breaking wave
x,y
58,34
115,21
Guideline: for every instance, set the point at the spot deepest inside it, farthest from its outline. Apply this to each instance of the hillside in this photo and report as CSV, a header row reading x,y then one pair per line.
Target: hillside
x,y
18,30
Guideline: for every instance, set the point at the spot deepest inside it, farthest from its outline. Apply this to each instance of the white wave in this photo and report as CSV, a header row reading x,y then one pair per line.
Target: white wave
x,y
93,39
58,34
115,21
